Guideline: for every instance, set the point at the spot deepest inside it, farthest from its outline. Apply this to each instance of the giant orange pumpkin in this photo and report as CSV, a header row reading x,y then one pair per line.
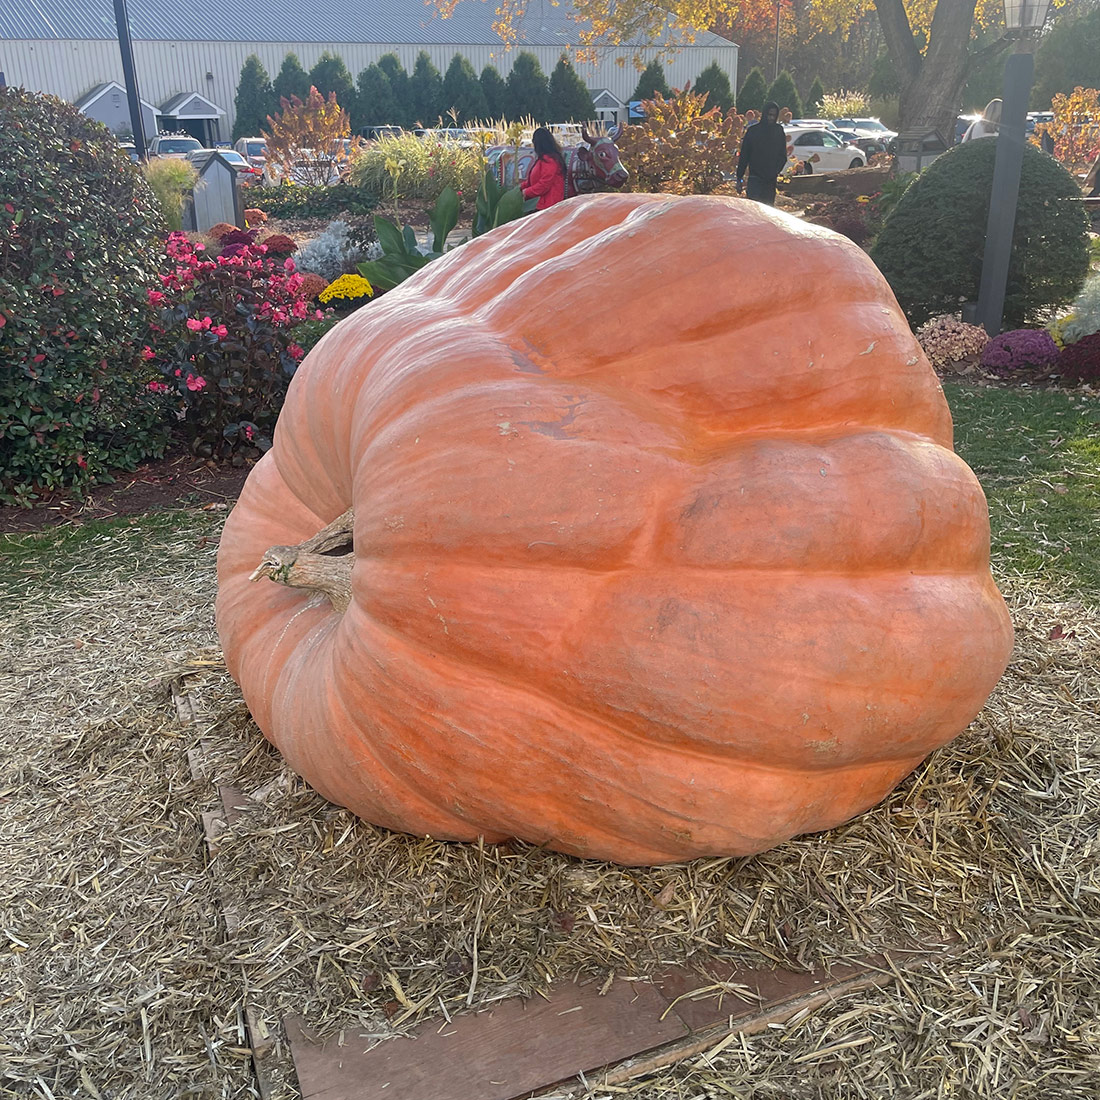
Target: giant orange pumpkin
x,y
657,545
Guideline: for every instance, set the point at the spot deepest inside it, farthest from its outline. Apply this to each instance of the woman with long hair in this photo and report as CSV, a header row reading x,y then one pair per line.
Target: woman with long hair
x,y
988,125
546,179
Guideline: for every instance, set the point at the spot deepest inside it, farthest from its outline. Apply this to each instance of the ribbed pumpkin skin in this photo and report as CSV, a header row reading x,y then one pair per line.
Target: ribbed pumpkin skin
x,y
662,549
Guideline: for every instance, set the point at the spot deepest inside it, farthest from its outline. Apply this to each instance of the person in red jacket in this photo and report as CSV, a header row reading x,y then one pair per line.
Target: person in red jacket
x,y
546,179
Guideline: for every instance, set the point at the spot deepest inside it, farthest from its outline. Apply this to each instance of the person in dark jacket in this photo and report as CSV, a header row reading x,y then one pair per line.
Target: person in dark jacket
x,y
763,155
546,179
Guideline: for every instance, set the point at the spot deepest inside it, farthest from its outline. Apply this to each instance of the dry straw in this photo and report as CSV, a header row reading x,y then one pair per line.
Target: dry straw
x,y
120,978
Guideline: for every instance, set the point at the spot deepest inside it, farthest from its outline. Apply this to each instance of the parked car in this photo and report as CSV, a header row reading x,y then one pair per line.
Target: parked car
x,y
253,149
130,149
455,135
173,145
1037,118
822,151
872,127
309,170
963,123
812,123
869,145
247,174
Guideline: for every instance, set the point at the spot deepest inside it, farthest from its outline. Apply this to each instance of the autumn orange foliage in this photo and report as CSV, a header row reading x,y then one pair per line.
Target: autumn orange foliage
x,y
1076,127
681,147
305,136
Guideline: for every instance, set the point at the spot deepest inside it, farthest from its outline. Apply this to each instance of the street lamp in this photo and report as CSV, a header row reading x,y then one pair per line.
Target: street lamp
x,y
777,3
1022,17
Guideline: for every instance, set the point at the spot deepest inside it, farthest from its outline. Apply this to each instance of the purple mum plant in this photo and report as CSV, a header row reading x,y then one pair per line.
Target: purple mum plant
x,y
1020,349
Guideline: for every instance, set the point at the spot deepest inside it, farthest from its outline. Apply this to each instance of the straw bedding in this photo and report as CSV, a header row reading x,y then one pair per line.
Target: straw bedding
x,y
119,976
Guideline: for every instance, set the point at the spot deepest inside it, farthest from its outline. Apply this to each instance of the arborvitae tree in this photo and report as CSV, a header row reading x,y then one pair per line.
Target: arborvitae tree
x,y
715,85
785,94
391,65
816,98
255,99
375,99
570,100
884,82
528,93
652,80
292,80
426,91
462,91
753,93
496,92
330,75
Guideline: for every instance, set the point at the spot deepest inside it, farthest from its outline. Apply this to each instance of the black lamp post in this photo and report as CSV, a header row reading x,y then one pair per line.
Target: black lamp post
x,y
129,75
1022,19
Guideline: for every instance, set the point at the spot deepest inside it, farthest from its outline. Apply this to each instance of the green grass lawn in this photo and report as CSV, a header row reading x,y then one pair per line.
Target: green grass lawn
x,y
1037,455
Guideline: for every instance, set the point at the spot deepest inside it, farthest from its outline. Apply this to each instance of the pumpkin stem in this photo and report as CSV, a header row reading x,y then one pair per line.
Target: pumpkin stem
x,y
312,563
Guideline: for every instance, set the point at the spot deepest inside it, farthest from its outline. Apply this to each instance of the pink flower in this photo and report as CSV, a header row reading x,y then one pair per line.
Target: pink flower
x,y
288,264
194,324
295,351
249,431
158,387
155,297
319,315
195,384
147,353
220,330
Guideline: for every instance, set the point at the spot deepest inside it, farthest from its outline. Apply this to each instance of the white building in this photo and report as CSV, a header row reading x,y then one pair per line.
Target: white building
x,y
189,53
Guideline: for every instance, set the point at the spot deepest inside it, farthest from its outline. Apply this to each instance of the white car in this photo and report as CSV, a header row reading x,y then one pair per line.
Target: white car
x,y
869,126
822,151
173,145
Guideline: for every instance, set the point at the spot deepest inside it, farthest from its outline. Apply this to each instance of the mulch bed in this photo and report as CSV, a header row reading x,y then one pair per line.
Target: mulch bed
x,y
176,480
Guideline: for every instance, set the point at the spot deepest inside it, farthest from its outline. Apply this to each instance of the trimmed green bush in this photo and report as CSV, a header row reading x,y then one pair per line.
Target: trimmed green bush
x,y
80,236
931,246
299,201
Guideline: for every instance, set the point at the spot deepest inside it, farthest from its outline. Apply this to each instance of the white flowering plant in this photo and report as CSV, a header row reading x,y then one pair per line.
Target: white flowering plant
x,y
948,341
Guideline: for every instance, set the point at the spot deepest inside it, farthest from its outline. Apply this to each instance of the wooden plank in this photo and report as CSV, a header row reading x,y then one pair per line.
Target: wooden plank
x,y
767,1014
704,1000
504,1051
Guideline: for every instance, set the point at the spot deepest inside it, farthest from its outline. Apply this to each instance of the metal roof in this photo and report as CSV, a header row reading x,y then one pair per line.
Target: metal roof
x,y
387,22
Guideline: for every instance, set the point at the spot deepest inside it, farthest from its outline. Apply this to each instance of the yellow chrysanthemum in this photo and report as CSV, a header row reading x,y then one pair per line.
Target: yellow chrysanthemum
x,y
348,287
1057,329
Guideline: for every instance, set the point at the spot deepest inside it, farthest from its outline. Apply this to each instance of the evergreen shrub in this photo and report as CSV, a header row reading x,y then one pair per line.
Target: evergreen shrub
x,y
930,248
299,201
79,249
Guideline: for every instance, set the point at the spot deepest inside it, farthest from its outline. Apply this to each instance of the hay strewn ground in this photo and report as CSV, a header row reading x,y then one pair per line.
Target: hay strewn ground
x,y
118,977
